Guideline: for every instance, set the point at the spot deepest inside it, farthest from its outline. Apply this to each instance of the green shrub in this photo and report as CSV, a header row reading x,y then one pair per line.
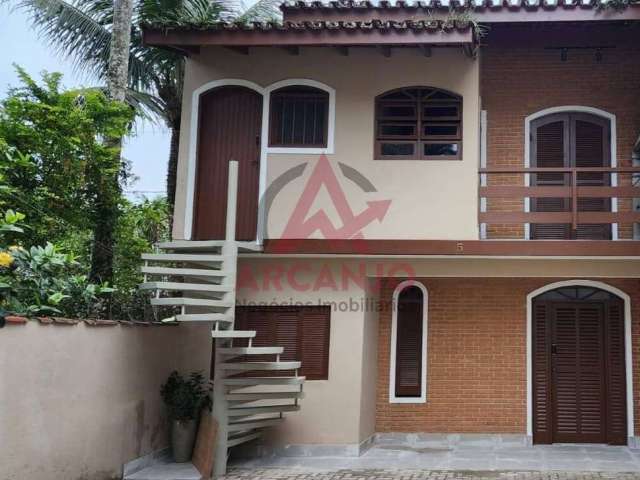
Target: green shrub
x,y
185,397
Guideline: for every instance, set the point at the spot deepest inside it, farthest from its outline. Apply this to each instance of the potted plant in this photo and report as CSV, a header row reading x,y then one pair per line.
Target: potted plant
x,y
185,397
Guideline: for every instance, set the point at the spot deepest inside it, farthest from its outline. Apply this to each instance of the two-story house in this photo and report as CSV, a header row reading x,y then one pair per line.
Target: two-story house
x,y
436,219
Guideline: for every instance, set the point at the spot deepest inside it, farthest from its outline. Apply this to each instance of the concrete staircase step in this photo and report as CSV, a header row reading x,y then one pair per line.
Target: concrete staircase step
x,y
252,424
190,302
249,411
204,317
249,366
184,272
206,245
237,351
246,381
186,287
242,438
255,396
233,333
182,257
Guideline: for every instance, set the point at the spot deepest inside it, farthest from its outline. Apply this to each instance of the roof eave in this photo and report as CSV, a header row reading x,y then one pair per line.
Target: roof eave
x,y
318,38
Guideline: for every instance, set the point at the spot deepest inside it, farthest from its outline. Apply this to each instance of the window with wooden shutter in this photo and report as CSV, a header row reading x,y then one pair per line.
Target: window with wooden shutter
x,y
570,140
418,123
408,348
303,332
299,117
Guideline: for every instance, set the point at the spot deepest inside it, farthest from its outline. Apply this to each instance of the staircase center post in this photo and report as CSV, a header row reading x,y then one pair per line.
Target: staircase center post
x,y
229,265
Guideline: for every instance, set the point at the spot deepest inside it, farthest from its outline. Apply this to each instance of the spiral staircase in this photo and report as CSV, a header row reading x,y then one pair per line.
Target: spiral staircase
x,y
195,281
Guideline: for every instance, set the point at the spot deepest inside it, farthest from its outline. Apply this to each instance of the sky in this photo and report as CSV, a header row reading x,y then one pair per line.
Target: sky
x,y
148,150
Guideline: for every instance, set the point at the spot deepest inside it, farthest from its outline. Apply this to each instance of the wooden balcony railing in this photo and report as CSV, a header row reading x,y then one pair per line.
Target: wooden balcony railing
x,y
571,185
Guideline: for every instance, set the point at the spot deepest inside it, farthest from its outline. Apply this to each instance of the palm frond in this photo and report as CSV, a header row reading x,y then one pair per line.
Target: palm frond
x,y
181,13
261,11
81,31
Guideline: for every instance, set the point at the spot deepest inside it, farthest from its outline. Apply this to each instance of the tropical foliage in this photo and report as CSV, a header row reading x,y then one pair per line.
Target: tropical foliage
x,y
81,30
52,157
52,163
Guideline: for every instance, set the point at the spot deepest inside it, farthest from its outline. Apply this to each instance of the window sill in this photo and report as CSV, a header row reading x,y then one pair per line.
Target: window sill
x,y
415,400
396,159
301,150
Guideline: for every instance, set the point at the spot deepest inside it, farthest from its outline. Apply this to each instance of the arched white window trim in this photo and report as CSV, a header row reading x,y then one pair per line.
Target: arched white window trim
x,y
566,109
331,121
394,336
264,147
627,344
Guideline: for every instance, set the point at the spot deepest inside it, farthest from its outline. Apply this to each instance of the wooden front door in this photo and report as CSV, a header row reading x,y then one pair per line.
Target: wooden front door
x,y
570,140
229,129
579,370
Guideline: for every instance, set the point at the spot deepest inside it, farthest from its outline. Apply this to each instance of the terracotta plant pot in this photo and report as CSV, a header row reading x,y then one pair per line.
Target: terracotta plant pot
x,y
183,438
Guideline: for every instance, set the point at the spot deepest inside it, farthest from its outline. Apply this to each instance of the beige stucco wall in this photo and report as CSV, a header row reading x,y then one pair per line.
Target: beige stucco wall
x,y
341,410
429,199
77,402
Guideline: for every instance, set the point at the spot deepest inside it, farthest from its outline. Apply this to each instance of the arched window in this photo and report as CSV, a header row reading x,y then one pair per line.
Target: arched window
x,y
299,117
418,123
570,139
408,366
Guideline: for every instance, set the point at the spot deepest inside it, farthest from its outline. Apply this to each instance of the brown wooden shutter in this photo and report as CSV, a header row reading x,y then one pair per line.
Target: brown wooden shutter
x,y
579,373
616,388
409,343
542,419
550,150
315,343
590,140
303,332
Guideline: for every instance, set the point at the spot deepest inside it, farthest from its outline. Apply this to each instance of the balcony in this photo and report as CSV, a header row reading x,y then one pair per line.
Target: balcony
x,y
559,203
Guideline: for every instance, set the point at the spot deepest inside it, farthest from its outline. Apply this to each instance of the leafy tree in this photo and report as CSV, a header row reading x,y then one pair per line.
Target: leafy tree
x,y
139,227
82,29
53,159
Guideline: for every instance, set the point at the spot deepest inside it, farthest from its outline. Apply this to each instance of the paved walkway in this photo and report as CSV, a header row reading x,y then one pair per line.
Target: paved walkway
x,y
401,461
288,474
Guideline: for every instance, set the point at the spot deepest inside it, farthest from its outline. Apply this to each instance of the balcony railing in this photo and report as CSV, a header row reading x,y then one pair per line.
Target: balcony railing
x,y
575,186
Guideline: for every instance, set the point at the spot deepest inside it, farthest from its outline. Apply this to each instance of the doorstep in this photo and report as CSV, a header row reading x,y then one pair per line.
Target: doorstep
x,y
167,471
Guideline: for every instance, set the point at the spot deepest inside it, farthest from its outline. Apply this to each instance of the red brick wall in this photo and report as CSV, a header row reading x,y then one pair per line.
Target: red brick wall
x,y
476,373
520,76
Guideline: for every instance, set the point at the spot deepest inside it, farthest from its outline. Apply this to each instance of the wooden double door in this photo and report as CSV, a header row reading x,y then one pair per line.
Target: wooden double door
x,y
579,391
567,140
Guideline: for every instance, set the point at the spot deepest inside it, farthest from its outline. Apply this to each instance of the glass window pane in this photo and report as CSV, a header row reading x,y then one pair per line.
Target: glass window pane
x,y
391,149
440,130
441,111
397,130
398,111
298,117
440,149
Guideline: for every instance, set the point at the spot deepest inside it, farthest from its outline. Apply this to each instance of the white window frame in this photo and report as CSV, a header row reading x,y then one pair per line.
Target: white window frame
x,y
394,337
264,141
613,145
331,120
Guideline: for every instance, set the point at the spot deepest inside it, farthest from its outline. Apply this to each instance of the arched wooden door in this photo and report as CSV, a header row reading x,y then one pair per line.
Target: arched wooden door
x,y
570,140
229,129
579,380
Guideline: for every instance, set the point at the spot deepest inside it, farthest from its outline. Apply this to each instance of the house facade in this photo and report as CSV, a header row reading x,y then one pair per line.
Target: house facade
x,y
442,205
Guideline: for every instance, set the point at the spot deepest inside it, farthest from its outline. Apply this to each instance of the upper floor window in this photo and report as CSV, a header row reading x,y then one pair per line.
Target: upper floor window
x,y
418,123
299,117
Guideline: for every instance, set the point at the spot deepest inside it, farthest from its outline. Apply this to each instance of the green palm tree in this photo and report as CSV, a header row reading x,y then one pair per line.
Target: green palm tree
x,y
81,31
